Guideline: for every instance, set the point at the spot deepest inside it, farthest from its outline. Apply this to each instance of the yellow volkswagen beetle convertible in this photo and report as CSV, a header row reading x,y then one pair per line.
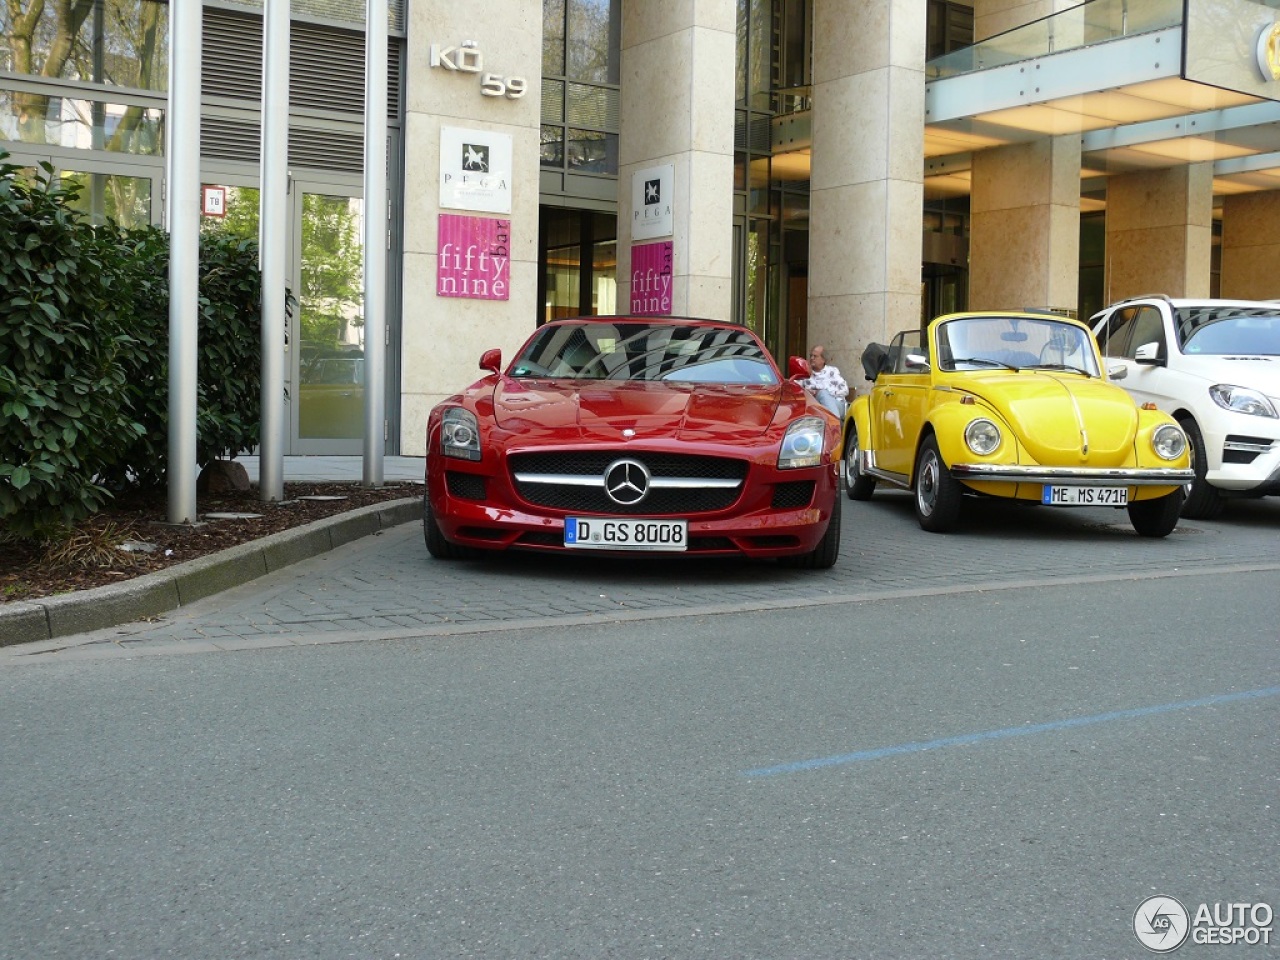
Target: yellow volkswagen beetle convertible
x,y
1013,405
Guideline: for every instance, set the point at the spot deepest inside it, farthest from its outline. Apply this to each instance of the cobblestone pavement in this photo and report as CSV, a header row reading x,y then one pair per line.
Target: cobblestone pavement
x,y
386,586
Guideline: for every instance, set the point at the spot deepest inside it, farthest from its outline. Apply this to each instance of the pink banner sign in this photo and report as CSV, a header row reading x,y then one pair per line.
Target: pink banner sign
x,y
474,259
651,279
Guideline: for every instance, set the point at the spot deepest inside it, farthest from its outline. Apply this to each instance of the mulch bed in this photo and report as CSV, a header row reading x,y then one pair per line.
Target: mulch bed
x,y
92,556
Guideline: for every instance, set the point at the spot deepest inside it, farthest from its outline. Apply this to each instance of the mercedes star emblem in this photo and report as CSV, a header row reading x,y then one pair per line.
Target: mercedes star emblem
x,y
626,482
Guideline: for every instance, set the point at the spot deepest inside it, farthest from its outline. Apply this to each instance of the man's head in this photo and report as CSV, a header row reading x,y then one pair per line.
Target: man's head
x,y
818,357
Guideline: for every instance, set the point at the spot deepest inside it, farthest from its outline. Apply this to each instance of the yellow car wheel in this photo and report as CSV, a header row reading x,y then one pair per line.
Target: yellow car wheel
x,y
856,483
1156,518
937,492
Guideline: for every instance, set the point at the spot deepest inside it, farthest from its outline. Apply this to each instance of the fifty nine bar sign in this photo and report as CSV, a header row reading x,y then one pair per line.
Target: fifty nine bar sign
x,y
474,258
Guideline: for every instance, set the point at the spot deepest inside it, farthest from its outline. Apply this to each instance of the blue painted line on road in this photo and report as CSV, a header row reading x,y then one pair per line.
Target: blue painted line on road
x,y
971,738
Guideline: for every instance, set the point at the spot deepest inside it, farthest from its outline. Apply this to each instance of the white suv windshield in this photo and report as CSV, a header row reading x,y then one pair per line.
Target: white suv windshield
x,y
1228,331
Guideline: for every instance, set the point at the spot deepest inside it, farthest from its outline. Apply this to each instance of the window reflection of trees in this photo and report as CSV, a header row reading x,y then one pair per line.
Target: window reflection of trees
x,y
121,199
588,47
113,43
331,294
553,38
580,73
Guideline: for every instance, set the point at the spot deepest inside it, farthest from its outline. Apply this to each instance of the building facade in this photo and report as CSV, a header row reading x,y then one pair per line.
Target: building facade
x,y
820,170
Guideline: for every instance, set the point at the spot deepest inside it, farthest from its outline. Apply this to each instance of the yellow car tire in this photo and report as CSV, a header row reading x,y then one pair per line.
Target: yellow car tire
x,y
1158,517
857,484
937,492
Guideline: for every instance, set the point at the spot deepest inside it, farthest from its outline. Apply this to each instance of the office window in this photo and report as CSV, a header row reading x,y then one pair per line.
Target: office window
x,y
117,43
950,27
593,38
581,103
553,38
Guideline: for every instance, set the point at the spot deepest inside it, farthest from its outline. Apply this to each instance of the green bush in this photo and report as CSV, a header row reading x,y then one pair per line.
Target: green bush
x,y
64,414
229,351
84,340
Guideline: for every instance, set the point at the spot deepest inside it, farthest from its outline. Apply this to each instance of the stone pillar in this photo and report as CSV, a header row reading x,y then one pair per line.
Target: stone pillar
x,y
677,79
1160,232
443,337
1251,246
1024,226
866,183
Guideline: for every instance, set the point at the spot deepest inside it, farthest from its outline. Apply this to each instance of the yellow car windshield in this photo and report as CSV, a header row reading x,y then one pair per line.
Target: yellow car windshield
x,y
1016,343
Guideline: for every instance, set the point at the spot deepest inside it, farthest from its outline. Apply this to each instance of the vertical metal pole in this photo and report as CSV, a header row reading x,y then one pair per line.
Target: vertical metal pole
x,y
273,239
98,115
375,238
182,162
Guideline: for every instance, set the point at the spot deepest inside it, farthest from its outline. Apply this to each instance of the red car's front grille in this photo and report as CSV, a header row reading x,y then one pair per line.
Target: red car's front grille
x,y
574,481
595,462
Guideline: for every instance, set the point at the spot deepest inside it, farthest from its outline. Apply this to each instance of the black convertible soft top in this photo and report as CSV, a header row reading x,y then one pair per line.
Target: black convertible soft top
x,y
873,359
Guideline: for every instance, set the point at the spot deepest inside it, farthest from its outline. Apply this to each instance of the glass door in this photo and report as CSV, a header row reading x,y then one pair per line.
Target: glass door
x,y
324,349
326,368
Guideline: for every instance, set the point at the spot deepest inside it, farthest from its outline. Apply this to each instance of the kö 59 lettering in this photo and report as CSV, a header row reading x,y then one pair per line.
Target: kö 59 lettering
x,y
467,58
493,85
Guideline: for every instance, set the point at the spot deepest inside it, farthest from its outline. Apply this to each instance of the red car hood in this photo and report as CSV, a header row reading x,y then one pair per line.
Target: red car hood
x,y
599,410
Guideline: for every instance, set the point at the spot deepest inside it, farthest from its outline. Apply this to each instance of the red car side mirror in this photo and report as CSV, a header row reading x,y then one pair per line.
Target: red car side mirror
x,y
798,368
491,360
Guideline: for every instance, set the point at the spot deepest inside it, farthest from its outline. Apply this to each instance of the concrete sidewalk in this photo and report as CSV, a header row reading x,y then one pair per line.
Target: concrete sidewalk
x,y
48,618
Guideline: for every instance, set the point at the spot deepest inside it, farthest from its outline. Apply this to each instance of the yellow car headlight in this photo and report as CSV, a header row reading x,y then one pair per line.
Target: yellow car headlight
x,y
982,436
1168,441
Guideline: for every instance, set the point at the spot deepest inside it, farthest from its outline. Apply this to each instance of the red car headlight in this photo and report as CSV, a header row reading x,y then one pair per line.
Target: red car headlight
x,y
802,446
459,435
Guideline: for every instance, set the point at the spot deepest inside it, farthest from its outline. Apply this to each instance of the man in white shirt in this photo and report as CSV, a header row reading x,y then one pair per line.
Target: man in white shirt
x,y
825,382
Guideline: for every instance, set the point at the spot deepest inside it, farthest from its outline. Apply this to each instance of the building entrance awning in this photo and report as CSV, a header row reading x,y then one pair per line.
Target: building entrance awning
x,y
1144,83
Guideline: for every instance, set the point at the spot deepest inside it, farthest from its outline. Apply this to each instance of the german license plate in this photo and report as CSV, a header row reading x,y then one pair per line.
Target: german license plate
x,y
1085,496
637,534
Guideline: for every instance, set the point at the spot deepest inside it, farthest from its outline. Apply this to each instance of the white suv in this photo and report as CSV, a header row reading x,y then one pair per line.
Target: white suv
x,y
1215,366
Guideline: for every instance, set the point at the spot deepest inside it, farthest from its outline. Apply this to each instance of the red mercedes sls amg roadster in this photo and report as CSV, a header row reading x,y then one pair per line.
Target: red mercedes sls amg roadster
x,y
635,436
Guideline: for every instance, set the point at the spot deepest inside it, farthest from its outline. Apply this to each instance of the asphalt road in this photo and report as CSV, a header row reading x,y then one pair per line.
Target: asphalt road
x,y
992,744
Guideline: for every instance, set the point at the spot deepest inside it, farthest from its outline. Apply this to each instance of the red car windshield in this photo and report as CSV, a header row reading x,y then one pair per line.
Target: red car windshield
x,y
630,350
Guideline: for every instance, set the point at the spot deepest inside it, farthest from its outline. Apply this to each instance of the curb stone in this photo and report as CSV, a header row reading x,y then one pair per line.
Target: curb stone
x,y
153,594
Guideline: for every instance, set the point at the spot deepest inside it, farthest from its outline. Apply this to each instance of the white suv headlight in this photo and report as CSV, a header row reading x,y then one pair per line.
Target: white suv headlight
x,y
1168,441
1241,400
982,436
802,446
459,436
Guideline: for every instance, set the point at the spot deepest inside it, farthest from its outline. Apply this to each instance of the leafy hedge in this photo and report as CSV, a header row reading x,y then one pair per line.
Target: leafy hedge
x,y
84,317
229,351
